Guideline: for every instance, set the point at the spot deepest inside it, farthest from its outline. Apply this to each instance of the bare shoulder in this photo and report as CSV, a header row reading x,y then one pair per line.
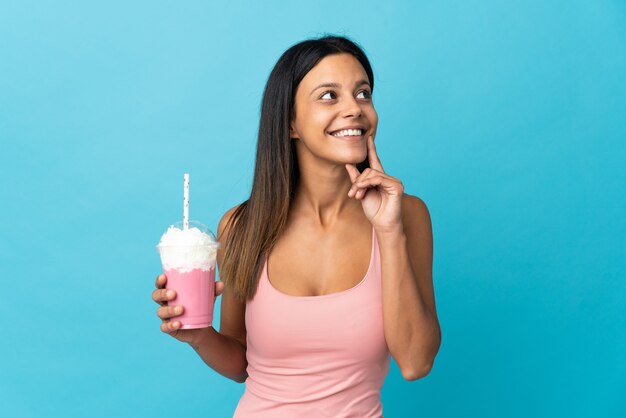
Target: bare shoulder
x,y
414,212
225,223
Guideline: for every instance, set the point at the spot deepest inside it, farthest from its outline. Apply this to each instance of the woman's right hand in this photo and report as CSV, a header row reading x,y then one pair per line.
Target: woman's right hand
x,y
168,313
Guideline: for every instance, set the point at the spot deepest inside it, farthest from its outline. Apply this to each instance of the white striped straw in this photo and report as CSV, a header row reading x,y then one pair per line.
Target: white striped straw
x,y
186,203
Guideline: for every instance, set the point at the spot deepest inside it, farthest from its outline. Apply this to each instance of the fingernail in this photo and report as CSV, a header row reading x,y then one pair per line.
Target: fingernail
x,y
178,309
170,293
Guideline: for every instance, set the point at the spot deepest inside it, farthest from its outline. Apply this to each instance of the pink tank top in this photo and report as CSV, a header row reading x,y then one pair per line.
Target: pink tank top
x,y
316,356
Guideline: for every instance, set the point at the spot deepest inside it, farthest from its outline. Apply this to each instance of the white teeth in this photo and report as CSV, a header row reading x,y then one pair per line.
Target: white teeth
x,y
349,132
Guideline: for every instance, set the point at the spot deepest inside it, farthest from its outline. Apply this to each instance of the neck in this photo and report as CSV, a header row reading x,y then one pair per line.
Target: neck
x,y
322,193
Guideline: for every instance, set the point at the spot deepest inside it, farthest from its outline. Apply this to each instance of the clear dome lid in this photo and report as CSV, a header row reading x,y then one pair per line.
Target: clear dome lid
x,y
197,234
196,224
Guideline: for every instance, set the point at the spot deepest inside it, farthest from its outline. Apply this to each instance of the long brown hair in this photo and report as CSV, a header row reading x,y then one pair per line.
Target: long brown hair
x,y
257,223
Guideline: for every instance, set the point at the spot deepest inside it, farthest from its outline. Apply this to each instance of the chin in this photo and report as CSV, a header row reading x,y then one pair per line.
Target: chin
x,y
354,156
353,161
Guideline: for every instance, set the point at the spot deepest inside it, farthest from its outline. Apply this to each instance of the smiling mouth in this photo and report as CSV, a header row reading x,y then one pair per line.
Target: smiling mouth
x,y
349,134
353,137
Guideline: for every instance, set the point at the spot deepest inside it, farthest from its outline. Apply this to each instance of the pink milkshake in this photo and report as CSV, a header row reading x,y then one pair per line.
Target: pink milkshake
x,y
188,257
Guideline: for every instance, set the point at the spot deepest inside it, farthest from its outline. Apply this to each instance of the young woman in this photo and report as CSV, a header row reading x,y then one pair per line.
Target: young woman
x,y
327,268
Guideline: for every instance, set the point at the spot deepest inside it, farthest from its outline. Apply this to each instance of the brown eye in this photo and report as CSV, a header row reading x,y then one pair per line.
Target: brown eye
x,y
326,93
366,93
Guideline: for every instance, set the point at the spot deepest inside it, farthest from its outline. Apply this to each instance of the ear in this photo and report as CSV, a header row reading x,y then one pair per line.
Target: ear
x,y
292,132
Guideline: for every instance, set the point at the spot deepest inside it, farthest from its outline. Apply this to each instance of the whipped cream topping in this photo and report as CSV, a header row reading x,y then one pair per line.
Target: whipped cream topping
x,y
187,249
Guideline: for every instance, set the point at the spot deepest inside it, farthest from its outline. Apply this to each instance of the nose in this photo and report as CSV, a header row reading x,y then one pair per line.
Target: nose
x,y
351,107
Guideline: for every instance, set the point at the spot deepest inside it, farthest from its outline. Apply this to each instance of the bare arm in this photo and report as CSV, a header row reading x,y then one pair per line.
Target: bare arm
x,y
223,354
224,351
410,317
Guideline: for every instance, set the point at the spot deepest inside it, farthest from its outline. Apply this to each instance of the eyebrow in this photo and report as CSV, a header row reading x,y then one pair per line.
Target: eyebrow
x,y
336,85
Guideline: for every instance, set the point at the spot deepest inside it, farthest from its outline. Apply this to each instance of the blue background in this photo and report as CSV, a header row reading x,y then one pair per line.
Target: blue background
x,y
506,118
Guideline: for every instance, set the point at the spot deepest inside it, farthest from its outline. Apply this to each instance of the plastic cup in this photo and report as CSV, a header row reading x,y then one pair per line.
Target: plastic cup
x,y
190,271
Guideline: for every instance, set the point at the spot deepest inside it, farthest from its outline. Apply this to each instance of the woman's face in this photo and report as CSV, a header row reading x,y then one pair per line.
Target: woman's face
x,y
333,96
